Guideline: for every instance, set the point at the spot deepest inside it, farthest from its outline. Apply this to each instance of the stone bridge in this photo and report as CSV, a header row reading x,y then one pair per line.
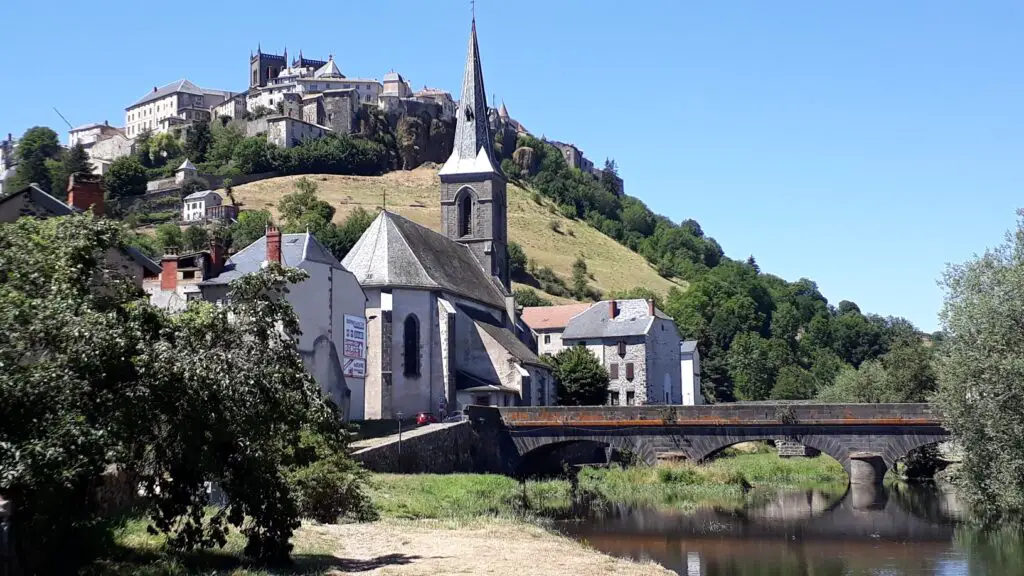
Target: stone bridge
x,y
867,439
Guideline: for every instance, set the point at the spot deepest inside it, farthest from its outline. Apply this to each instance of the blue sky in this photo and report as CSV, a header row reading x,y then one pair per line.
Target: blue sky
x,y
861,144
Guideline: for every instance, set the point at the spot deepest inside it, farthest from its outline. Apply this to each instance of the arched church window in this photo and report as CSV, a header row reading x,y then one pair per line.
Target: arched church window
x,y
465,215
411,345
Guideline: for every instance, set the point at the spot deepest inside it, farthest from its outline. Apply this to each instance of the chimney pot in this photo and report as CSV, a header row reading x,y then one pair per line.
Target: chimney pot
x,y
650,307
169,272
154,88
216,257
613,308
273,244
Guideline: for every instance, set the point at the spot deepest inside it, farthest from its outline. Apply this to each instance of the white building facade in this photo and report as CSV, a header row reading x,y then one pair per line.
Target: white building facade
x,y
193,207
689,358
160,110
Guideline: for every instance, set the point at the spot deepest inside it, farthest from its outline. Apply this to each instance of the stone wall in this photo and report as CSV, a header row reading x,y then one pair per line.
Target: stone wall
x,y
636,353
444,451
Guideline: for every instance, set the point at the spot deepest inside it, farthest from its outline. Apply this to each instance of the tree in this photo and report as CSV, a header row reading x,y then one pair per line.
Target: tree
x,y
980,374
610,176
252,155
350,231
195,238
794,383
753,366
225,140
68,416
198,141
527,297
169,237
516,260
162,147
140,148
38,145
250,227
579,279
72,161
582,380
125,178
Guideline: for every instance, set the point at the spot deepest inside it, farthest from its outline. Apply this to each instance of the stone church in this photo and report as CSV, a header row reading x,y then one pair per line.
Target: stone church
x,y
441,319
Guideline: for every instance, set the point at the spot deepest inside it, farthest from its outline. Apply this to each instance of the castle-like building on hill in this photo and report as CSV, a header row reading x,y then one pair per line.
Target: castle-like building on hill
x,y
264,67
442,330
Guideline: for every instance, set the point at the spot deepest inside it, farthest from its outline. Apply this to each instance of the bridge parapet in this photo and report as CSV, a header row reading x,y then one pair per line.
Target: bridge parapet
x,y
743,414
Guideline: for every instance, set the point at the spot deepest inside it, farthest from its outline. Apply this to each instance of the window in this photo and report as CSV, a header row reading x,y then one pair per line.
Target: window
x,y
629,370
581,343
668,397
613,371
613,398
482,400
411,345
465,215
547,338
188,275
630,399
622,348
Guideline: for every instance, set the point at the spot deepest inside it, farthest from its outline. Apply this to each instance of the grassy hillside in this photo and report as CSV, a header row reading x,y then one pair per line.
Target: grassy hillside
x,y
414,195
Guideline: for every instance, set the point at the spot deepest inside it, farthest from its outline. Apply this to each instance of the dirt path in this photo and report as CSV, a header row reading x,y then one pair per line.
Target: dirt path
x,y
430,548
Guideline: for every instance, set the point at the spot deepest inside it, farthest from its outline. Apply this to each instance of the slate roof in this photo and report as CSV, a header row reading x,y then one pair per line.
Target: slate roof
x,y
632,320
467,382
551,317
186,165
688,346
509,342
173,88
201,194
54,206
396,252
295,249
329,70
472,151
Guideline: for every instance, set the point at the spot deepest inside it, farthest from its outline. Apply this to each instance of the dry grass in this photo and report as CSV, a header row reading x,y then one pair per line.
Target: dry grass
x,y
414,195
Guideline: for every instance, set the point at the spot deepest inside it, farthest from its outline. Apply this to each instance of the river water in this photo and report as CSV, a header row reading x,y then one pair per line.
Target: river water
x,y
892,530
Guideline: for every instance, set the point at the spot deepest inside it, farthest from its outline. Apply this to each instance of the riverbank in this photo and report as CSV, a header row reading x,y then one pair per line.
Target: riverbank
x,y
731,482
488,524
486,545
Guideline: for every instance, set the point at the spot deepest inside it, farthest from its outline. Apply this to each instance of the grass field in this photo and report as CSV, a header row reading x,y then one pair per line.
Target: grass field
x,y
415,195
728,482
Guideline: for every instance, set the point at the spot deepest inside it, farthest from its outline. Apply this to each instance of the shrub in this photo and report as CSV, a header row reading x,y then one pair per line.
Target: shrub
x,y
678,475
331,488
554,226
568,211
536,197
527,297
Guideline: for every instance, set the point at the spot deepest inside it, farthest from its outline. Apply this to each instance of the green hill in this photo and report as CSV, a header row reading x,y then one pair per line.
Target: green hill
x,y
414,195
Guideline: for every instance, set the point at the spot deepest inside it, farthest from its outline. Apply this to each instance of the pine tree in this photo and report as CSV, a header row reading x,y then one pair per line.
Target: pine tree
x,y
74,160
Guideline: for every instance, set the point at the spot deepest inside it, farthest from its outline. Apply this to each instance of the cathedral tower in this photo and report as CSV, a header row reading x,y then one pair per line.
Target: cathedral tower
x,y
473,206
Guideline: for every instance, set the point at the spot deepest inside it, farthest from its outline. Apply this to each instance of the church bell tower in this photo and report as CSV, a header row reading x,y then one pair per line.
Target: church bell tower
x,y
473,206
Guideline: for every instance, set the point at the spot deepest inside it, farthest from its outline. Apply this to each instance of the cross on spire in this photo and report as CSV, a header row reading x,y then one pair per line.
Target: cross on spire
x,y
472,9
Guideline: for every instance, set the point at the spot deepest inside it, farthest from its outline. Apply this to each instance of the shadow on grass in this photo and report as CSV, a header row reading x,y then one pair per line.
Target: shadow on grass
x,y
124,561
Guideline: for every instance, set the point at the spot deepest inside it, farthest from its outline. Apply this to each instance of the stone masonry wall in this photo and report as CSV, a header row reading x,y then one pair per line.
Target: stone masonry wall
x,y
635,353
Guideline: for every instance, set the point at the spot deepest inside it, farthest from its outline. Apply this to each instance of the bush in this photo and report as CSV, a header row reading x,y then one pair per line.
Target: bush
x,y
527,297
554,226
567,211
535,196
331,488
516,259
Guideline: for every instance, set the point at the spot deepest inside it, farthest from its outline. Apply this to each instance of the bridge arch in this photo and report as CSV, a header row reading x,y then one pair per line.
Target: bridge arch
x,y
901,446
705,447
532,450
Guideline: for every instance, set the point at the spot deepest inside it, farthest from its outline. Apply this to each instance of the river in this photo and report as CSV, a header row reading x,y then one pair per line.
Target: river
x,y
894,530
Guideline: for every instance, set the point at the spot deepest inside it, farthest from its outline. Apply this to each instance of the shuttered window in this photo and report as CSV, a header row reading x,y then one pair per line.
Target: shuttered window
x,y
622,348
613,371
629,371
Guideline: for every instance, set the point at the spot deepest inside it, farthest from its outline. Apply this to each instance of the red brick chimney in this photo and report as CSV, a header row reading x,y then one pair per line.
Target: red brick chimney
x,y
273,244
85,191
169,272
650,307
216,257
613,308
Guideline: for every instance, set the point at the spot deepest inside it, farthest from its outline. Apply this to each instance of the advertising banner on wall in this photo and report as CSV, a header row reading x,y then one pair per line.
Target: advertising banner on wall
x,y
355,346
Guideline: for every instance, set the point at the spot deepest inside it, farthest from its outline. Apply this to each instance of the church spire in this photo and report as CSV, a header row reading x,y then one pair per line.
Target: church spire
x,y
472,152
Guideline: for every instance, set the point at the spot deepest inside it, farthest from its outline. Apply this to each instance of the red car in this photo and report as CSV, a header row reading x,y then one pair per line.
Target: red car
x,y
425,418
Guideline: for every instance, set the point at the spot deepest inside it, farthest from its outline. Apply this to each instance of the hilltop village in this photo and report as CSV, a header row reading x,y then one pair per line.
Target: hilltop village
x,y
410,320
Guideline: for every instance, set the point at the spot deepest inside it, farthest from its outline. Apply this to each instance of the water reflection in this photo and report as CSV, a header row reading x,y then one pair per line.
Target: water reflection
x,y
866,530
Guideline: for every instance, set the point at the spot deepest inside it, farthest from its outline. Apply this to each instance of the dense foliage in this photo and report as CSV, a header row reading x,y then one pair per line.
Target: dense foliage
x,y
980,374
528,297
36,153
303,211
582,379
93,380
126,178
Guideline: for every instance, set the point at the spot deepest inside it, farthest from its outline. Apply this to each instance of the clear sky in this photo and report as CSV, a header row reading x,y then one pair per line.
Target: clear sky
x,y
860,144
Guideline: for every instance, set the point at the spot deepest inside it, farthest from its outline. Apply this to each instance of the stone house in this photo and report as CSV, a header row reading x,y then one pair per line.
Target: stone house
x,y
547,324
104,151
172,105
396,85
89,134
84,193
330,305
439,97
689,358
195,205
287,132
334,109
442,330
638,344
234,107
